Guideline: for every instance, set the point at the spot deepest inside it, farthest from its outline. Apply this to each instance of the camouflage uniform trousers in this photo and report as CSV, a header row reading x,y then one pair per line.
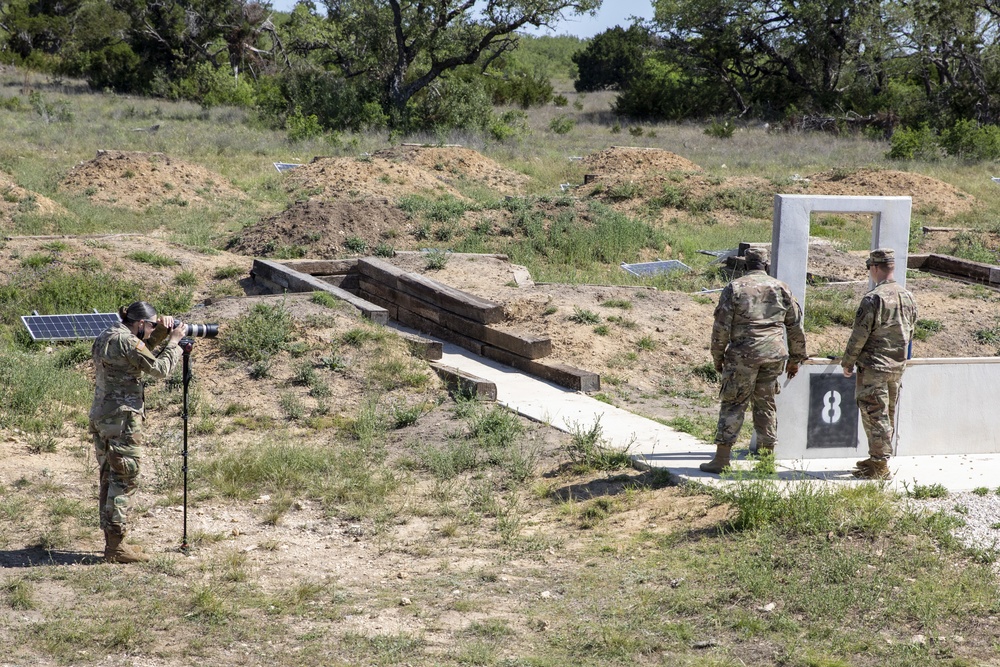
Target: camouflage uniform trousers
x,y
117,440
743,384
876,393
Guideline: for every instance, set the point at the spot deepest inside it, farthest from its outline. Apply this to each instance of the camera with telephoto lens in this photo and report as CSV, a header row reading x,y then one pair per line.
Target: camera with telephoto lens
x,y
199,330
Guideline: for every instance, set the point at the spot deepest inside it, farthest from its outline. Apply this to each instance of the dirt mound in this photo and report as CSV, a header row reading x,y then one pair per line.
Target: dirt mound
x,y
15,199
353,178
623,160
454,163
138,180
929,194
323,227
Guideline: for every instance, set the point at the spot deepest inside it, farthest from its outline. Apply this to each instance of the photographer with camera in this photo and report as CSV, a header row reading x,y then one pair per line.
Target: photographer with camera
x,y
122,355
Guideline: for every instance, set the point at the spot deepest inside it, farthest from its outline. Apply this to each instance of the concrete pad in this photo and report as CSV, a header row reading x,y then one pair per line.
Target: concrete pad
x,y
653,445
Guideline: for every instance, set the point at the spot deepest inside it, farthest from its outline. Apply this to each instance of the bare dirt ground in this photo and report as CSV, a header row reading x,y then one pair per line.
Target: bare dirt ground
x,y
15,199
140,180
325,227
455,164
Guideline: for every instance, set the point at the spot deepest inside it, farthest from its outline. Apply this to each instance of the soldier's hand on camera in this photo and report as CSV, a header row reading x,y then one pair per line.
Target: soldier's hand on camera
x,y
792,370
177,332
166,321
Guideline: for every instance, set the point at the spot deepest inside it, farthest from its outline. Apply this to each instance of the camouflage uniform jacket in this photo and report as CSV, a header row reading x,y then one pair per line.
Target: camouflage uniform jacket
x,y
883,328
120,359
754,314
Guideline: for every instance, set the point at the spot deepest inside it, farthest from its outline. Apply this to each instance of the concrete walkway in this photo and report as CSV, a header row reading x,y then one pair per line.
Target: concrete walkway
x,y
657,446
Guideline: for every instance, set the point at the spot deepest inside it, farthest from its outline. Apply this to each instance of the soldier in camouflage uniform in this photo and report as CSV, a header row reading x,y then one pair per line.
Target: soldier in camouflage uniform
x,y
883,329
122,354
754,315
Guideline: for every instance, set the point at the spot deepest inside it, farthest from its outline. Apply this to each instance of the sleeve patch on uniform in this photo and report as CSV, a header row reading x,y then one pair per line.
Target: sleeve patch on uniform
x,y
139,345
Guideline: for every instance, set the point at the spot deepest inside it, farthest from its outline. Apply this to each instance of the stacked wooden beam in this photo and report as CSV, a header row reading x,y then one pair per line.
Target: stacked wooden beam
x,y
463,319
280,277
954,267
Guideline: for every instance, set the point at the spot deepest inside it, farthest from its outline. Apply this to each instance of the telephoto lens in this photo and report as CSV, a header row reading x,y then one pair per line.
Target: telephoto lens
x,y
202,330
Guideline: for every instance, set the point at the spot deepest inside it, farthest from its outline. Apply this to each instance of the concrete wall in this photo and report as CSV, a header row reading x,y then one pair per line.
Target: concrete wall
x,y
946,406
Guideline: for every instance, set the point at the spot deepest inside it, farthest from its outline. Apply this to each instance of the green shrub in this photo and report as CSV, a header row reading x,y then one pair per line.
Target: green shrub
x,y
926,328
969,140
922,491
562,124
259,334
589,451
723,130
324,299
355,244
301,127
919,143
583,316
152,258
186,279
436,260
227,272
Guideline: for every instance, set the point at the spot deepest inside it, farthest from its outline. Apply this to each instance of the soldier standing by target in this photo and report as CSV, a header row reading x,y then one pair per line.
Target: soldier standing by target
x,y
754,315
878,346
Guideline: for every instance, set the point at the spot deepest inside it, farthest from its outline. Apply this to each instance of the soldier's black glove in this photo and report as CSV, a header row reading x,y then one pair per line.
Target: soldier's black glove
x,y
792,370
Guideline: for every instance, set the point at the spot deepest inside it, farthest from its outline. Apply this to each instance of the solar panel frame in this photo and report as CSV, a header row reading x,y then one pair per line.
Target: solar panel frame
x,y
77,326
643,269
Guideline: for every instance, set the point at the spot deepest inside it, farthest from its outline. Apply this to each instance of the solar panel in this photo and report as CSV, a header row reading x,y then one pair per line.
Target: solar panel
x,y
653,268
68,327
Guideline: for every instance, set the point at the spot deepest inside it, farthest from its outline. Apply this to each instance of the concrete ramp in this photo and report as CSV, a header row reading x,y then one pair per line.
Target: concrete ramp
x,y
654,445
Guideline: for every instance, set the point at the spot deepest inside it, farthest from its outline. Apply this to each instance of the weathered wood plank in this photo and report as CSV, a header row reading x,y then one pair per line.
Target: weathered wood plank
x,y
959,267
380,270
531,347
322,267
295,281
437,294
421,347
411,303
414,321
390,308
347,281
451,299
466,384
561,374
916,261
264,283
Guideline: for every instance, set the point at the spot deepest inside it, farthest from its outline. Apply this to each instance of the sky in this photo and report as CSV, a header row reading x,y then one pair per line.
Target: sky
x,y
611,13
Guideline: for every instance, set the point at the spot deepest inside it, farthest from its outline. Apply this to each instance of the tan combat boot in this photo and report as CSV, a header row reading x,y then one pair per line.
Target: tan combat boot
x,y
872,469
116,552
720,462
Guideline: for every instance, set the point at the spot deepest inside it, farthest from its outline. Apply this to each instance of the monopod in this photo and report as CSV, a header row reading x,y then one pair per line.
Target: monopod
x,y
187,344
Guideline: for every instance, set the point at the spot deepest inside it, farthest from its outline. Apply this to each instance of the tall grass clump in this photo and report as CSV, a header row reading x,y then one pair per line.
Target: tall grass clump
x,y
809,509
36,393
346,479
588,451
259,334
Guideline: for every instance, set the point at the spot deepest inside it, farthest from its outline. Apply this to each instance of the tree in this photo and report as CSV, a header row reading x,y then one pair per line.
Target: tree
x,y
612,58
404,46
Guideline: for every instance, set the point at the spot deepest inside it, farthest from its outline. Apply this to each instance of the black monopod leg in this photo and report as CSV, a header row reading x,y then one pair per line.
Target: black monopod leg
x,y
186,345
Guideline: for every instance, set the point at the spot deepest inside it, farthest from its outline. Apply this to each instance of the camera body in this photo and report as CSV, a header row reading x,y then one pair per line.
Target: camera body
x,y
199,330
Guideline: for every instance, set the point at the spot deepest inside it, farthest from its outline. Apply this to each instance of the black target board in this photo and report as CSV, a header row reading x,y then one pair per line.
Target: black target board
x,y
68,327
833,413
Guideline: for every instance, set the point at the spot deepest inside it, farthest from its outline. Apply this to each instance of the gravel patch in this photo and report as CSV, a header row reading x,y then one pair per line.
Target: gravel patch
x,y
981,515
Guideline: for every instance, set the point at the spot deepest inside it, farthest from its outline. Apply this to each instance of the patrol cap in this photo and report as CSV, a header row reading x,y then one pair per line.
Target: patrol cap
x,y
756,256
881,256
